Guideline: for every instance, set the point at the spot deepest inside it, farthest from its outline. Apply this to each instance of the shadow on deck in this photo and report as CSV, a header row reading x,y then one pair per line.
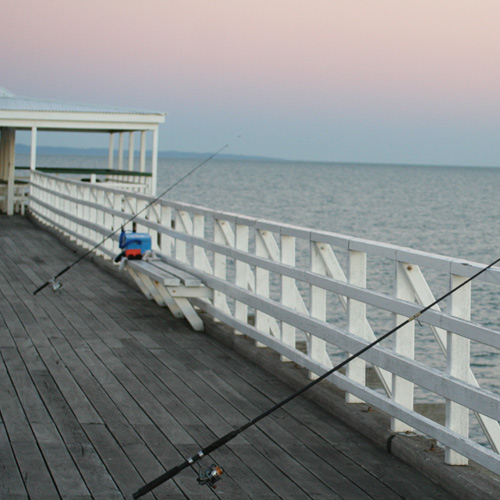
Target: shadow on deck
x,y
101,391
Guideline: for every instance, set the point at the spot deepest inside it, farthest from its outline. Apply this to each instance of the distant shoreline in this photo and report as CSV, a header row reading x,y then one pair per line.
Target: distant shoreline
x,y
180,155
59,150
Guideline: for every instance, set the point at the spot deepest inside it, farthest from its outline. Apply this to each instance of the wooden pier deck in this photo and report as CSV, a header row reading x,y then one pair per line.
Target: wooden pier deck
x,y
101,391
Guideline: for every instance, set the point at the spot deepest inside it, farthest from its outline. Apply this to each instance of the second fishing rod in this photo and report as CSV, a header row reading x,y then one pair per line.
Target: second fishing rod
x,y
213,473
128,221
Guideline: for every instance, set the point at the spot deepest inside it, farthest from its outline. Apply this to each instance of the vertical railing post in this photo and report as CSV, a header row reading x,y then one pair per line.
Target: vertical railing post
x,y
99,217
154,215
261,284
85,231
242,271
356,319
118,206
109,202
140,205
56,202
166,241
199,256
183,224
288,288
458,365
73,209
404,344
65,205
93,212
222,236
316,347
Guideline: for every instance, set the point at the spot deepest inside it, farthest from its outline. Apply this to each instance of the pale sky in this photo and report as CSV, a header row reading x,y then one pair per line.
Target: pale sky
x,y
397,81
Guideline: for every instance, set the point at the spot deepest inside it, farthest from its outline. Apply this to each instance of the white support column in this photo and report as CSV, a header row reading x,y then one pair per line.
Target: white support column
x,y
111,152
33,148
7,165
154,162
356,319
458,366
131,151
3,160
120,152
142,164
4,173
11,159
404,344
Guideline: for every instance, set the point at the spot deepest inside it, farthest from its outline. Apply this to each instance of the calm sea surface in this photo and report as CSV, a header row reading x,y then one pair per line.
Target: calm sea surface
x,y
454,211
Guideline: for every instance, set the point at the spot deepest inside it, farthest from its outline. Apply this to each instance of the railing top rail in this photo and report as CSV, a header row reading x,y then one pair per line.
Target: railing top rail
x,y
101,185
461,267
98,171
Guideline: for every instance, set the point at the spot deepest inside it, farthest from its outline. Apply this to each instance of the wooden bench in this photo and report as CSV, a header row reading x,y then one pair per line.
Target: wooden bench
x,y
170,287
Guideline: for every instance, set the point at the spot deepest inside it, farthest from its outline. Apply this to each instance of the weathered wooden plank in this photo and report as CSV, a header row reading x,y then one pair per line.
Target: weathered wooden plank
x,y
186,278
95,475
32,466
154,272
114,457
63,470
12,486
35,471
76,399
94,391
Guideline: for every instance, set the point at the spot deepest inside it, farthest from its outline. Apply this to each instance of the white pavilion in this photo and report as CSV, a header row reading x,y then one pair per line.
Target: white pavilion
x,y
22,113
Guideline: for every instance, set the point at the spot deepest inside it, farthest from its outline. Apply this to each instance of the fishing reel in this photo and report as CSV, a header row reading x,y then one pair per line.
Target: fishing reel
x,y
56,285
210,475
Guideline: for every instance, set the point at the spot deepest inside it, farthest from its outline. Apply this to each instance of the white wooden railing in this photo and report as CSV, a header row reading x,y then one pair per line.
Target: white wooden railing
x,y
314,296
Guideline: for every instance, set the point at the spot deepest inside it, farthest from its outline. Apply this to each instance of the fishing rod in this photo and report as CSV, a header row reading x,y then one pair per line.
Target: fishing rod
x,y
57,286
214,472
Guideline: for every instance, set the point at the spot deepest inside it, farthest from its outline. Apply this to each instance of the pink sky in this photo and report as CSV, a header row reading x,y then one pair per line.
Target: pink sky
x,y
339,80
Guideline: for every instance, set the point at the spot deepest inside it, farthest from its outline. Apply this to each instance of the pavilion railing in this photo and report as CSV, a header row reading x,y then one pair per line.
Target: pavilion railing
x,y
122,179
314,296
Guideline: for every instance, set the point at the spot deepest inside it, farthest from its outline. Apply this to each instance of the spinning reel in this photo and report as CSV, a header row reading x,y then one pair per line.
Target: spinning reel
x,y
210,475
56,285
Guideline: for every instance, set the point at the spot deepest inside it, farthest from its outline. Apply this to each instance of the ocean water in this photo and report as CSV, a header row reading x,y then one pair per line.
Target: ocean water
x,y
453,211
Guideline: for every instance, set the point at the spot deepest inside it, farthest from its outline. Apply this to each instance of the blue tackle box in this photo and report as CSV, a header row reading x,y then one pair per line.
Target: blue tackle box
x,y
134,245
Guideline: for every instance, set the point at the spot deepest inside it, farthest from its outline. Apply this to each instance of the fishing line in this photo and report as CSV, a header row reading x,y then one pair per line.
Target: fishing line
x,y
57,286
232,434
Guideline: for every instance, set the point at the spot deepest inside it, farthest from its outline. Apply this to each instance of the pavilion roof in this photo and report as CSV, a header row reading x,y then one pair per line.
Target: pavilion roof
x,y
17,111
